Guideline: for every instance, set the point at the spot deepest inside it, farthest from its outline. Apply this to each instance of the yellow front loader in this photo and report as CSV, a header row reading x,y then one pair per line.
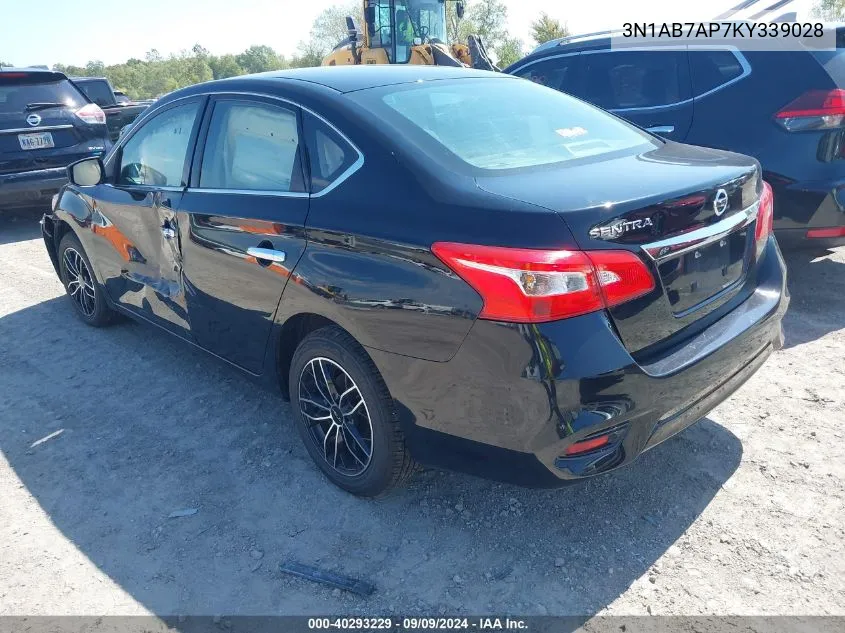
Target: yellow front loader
x,y
407,32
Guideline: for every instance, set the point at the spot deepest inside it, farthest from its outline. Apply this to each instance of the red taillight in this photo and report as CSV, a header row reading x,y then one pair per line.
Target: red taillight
x,y
586,446
531,286
765,217
91,114
814,110
622,276
837,231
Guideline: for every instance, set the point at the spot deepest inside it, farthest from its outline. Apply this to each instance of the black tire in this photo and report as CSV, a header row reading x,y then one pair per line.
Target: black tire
x,y
87,297
390,464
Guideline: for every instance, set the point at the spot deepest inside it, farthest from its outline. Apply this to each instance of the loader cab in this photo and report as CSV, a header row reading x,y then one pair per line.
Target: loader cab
x,y
396,26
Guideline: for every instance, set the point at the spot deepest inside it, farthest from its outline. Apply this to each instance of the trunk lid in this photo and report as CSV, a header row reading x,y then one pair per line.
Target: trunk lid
x,y
661,204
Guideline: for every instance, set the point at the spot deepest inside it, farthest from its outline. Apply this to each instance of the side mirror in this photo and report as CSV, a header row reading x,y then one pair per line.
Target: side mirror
x,y
352,28
86,172
459,9
370,15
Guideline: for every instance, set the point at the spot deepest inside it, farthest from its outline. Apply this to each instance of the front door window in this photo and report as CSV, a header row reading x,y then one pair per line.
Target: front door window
x,y
156,153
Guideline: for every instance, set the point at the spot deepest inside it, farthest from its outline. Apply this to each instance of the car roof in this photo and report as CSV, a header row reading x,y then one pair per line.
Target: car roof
x,y
352,78
576,40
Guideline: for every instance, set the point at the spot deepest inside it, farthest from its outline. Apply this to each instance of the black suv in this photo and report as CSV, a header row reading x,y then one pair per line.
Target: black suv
x,y
787,109
46,123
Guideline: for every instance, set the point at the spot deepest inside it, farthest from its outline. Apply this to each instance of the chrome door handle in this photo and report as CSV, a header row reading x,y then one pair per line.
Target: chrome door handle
x,y
267,254
168,232
661,129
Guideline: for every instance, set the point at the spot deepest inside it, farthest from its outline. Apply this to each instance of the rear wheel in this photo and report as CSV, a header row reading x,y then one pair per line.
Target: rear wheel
x,y
346,416
86,295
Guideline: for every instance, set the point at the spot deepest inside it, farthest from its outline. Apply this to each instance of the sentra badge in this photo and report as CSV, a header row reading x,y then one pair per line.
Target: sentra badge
x,y
619,228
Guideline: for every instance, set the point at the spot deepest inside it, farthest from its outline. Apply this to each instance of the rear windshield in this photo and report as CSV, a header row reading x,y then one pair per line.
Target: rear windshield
x,y
499,124
18,92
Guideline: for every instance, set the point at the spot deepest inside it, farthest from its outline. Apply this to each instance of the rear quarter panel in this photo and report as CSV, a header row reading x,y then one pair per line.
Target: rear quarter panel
x,y
368,267
368,264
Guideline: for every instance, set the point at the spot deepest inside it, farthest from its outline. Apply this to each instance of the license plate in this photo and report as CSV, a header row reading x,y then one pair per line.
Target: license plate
x,y
696,276
36,141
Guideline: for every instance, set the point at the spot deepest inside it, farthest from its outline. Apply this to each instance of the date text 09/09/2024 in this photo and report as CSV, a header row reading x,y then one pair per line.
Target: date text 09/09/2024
x,y
418,624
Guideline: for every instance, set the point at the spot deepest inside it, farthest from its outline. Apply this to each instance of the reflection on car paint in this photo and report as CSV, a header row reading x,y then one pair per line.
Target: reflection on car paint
x,y
101,225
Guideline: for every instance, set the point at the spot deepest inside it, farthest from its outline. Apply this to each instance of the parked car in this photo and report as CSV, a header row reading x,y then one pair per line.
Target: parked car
x,y
787,109
120,112
46,123
525,288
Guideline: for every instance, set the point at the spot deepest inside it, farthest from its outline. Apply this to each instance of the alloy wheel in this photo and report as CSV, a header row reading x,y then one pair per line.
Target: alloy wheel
x,y
336,415
80,282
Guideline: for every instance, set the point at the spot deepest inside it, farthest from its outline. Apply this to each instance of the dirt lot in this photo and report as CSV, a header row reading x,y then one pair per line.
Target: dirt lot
x,y
741,514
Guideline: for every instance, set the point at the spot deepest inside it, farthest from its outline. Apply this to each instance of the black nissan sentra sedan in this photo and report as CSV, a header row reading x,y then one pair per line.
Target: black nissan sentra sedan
x,y
437,265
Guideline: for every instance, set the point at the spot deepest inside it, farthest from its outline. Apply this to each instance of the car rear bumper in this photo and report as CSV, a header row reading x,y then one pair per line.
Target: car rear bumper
x,y
800,239
514,397
810,214
30,187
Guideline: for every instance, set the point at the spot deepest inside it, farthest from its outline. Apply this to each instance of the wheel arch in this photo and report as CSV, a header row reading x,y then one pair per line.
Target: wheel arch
x,y
60,229
73,214
294,329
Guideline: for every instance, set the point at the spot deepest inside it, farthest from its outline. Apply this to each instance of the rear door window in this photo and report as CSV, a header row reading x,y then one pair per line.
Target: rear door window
x,y
712,69
155,154
329,154
559,73
252,146
622,80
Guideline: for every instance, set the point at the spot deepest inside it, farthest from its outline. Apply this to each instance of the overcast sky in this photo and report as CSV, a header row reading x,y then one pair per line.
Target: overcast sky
x,y
73,32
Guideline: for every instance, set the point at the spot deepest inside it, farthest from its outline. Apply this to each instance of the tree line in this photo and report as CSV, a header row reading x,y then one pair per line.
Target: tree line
x,y
156,74
832,10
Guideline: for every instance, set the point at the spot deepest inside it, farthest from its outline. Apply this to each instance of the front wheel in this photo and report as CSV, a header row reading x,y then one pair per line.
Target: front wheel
x,y
346,416
77,275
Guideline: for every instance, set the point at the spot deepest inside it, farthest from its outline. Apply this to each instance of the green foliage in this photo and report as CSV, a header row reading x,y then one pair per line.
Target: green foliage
x,y
328,29
487,18
546,28
309,54
224,66
832,10
509,51
258,59
156,75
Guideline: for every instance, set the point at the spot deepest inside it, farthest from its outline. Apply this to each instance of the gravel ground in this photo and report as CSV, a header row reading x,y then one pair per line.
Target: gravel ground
x,y
105,434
